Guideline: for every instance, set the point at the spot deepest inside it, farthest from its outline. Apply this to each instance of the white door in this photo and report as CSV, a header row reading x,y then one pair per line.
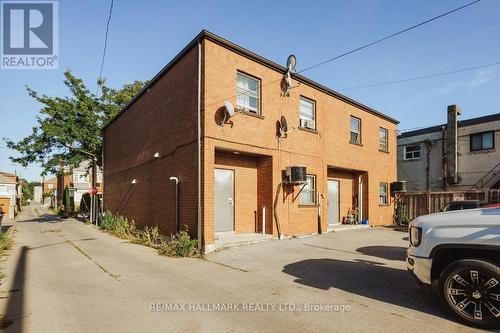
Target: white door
x,y
333,202
224,200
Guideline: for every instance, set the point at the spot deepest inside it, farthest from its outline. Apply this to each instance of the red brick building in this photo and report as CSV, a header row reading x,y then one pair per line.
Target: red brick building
x,y
230,173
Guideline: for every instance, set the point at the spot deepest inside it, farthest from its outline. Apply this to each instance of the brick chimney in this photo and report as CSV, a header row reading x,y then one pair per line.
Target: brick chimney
x,y
451,145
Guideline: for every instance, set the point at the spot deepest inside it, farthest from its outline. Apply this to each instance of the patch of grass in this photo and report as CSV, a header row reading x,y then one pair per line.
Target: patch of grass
x,y
149,236
6,241
179,245
118,225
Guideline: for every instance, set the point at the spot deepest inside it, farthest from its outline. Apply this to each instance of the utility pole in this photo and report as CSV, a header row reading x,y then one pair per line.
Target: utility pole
x,y
93,201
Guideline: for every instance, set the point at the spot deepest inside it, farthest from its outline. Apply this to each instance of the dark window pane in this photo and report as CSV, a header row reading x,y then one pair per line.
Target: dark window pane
x,y
476,142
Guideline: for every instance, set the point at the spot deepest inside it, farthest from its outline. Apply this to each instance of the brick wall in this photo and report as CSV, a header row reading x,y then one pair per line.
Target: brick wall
x,y
327,147
164,121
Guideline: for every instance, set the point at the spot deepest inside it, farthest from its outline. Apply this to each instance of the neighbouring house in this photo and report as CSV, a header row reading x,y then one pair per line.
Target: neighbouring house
x,y
456,156
232,169
79,181
49,189
10,195
49,186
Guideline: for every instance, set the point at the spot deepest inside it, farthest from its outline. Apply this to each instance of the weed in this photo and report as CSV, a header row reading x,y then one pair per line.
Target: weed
x,y
180,245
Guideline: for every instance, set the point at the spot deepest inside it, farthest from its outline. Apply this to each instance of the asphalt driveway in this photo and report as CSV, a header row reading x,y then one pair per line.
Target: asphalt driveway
x,y
64,276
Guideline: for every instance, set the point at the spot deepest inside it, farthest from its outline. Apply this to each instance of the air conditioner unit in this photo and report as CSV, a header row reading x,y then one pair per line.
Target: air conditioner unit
x,y
307,123
296,174
398,187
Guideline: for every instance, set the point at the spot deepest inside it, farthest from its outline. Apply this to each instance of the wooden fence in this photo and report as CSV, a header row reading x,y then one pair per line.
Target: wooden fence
x,y
414,204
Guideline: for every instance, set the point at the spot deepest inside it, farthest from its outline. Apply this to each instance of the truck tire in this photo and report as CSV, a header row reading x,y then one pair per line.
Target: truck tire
x,y
471,291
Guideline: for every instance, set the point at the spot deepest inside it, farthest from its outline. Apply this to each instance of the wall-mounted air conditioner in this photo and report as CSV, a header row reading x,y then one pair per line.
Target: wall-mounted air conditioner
x,y
307,123
296,174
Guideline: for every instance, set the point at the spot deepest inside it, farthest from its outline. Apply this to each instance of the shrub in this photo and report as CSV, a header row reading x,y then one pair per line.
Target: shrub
x,y
118,225
5,241
180,245
149,236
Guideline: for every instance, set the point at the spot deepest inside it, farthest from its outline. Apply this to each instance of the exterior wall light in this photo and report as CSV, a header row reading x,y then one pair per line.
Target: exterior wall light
x,y
134,181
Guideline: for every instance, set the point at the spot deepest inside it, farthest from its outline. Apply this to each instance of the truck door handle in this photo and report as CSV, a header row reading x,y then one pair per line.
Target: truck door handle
x,y
230,200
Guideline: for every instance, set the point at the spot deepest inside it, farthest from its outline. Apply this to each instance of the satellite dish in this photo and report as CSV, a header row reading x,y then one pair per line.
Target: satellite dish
x,y
229,112
229,108
291,63
284,124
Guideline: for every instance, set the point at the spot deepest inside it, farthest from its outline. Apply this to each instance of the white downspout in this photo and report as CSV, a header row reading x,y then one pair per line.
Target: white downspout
x,y
360,196
199,147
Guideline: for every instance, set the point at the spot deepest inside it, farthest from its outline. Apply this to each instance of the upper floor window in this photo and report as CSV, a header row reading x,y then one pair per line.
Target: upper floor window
x,y
50,186
307,113
248,93
383,194
80,178
99,178
308,193
412,152
383,135
355,130
482,141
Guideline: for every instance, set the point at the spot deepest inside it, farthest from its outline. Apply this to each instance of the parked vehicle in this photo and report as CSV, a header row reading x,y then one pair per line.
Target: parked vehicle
x,y
455,255
461,205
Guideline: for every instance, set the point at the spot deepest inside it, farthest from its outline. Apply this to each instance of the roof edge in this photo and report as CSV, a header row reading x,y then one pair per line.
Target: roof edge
x,y
253,56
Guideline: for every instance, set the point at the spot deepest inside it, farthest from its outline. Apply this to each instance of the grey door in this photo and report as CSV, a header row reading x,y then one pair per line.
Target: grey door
x,y
224,200
333,202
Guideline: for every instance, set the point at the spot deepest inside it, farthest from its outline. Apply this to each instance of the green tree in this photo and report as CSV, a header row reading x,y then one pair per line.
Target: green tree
x,y
68,207
69,126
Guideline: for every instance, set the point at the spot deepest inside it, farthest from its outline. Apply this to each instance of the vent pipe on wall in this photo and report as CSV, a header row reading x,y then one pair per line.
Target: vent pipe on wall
x,y
451,145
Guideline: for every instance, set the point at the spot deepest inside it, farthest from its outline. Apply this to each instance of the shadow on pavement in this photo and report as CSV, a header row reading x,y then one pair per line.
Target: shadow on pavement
x,y
384,252
15,307
365,278
49,218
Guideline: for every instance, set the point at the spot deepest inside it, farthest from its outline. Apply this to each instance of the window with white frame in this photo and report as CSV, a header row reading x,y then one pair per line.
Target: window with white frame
x,y
355,130
412,152
307,113
383,194
248,93
383,139
80,178
308,193
3,188
50,186
99,178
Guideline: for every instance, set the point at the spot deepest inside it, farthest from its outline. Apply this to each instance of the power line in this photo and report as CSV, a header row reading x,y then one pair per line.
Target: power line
x,y
361,47
106,39
386,83
390,36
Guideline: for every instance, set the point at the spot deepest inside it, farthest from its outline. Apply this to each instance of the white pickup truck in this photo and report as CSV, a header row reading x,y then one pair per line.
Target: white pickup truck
x,y
456,256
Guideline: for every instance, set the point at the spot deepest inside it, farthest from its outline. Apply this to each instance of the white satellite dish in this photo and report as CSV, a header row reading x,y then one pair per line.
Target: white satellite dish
x,y
229,108
291,63
228,113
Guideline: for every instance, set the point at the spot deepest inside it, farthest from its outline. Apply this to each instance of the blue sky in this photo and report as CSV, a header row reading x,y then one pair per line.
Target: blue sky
x,y
145,35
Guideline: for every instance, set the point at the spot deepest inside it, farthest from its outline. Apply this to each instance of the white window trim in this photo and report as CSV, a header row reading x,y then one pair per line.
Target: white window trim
x,y
412,158
76,178
386,194
303,124
247,107
386,142
314,189
358,131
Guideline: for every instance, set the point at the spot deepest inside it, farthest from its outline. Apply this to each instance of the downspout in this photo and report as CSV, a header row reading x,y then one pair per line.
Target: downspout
x,y
428,148
199,147
176,180
360,198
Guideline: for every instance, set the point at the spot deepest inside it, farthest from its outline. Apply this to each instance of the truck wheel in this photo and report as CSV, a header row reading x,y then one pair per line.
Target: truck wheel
x,y
471,290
